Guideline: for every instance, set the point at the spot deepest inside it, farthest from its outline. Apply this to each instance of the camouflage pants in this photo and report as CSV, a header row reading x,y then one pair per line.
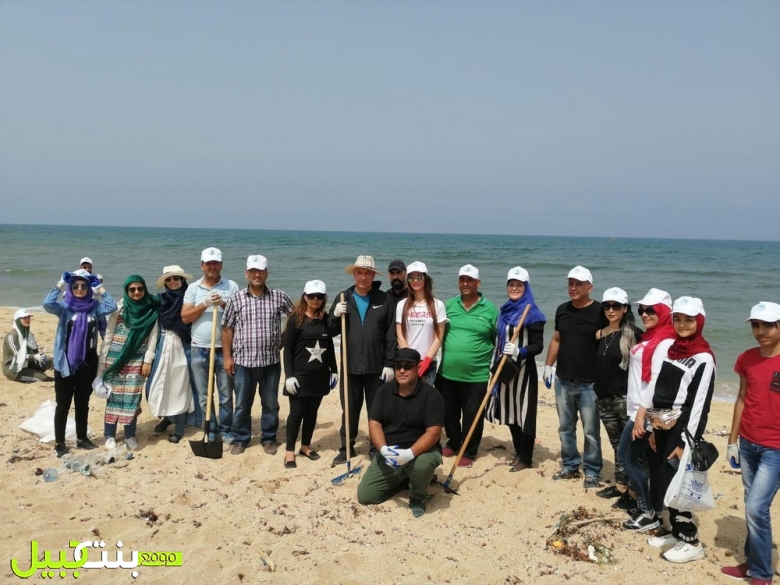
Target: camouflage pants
x,y
612,411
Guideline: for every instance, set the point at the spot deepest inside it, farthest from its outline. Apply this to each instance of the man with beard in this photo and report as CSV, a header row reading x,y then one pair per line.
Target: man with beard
x,y
396,273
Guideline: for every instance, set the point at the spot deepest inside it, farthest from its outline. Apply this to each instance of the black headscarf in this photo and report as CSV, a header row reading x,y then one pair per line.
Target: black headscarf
x,y
170,311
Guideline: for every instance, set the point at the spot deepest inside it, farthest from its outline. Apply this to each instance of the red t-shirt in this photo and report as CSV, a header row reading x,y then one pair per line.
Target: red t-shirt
x,y
761,416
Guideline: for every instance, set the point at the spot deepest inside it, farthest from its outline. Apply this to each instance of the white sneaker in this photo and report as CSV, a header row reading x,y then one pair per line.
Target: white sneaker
x,y
110,443
684,552
131,443
662,541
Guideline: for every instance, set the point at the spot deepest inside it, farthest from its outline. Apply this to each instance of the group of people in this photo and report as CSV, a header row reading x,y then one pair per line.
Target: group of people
x,y
421,366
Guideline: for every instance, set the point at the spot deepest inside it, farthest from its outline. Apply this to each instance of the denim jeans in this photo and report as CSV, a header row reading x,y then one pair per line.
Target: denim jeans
x,y
224,388
761,477
629,453
266,379
573,399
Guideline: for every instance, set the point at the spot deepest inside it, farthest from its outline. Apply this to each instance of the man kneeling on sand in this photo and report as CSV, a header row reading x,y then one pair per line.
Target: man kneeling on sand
x,y
405,425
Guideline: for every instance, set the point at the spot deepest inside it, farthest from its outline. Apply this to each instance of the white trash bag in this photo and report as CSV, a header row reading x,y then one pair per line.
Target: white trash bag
x,y
42,424
689,491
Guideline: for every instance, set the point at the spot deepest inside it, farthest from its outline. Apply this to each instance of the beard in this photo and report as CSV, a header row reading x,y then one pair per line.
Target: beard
x,y
397,284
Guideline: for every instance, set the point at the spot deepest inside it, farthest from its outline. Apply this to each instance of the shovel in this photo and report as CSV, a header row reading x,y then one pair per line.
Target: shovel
x,y
491,383
204,447
351,472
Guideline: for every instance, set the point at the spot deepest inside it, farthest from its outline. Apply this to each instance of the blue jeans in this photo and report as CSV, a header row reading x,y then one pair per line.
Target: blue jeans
x,y
761,477
628,454
266,380
109,429
224,387
573,399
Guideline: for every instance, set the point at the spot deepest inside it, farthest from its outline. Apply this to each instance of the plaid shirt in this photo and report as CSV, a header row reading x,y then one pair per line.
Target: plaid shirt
x,y
257,326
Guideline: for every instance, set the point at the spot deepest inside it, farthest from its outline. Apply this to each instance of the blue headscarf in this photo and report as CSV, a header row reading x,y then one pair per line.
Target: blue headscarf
x,y
511,311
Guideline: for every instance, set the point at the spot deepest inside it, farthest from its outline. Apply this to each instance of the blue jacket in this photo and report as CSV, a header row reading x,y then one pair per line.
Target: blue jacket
x,y
52,304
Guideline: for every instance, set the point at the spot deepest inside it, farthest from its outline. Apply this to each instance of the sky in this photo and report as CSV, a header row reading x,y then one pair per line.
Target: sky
x,y
652,119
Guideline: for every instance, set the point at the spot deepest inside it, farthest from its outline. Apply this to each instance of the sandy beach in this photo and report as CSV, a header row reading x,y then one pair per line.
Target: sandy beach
x,y
236,519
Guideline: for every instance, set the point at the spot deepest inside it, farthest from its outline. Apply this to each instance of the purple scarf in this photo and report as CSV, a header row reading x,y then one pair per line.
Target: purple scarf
x,y
77,342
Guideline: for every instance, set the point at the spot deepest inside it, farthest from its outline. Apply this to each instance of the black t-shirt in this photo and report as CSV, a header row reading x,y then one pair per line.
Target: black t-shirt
x,y
577,350
309,355
405,419
611,380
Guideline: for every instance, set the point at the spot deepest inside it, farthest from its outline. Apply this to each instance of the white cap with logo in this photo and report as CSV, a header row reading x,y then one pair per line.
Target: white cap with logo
x,y
690,306
211,255
656,296
85,260
615,294
417,267
765,311
313,287
581,273
468,270
518,273
256,261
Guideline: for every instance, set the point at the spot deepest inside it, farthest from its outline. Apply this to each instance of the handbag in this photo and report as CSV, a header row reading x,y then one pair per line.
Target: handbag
x,y
689,489
703,453
508,373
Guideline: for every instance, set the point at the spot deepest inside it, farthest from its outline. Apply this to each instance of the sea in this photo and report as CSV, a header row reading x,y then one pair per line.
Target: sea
x,y
729,276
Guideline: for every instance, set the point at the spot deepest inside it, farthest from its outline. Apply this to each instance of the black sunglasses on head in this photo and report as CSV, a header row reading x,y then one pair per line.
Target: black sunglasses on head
x,y
650,311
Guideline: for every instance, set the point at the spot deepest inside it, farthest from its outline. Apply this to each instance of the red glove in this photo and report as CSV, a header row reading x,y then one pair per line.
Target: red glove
x,y
424,366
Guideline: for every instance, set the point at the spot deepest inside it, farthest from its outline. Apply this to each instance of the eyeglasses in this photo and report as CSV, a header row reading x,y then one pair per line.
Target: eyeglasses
x,y
649,311
611,306
136,289
414,277
315,296
405,366
79,286
173,279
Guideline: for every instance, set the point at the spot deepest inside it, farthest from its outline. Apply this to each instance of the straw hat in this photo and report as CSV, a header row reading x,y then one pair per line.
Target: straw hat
x,y
365,262
172,270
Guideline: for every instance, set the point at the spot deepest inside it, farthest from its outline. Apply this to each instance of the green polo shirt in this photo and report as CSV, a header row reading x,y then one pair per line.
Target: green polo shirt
x,y
469,340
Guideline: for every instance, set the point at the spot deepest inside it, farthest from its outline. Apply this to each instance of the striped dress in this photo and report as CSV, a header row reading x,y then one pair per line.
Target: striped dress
x,y
126,385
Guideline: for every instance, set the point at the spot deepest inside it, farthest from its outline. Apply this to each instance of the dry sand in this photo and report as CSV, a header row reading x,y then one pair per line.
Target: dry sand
x,y
225,515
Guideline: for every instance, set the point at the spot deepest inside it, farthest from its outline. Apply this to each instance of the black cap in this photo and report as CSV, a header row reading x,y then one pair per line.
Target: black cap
x,y
407,354
396,265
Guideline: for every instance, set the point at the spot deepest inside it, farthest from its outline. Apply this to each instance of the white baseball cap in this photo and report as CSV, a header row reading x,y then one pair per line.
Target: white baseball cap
x,y
86,259
656,296
615,294
314,286
211,255
581,273
690,306
257,261
468,270
765,311
417,267
21,314
518,273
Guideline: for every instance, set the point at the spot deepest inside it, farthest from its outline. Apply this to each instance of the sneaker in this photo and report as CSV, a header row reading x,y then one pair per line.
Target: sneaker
x,y
566,474
60,449
609,492
662,541
162,426
590,483
228,439
131,443
741,571
624,502
448,452
269,448
238,449
761,582
85,444
641,523
110,443
340,458
417,507
465,462
684,552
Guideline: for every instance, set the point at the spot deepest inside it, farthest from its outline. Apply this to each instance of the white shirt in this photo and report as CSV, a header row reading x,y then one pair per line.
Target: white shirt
x,y
640,393
420,332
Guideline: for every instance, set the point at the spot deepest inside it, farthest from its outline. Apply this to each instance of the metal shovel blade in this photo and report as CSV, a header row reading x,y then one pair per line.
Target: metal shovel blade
x,y
208,449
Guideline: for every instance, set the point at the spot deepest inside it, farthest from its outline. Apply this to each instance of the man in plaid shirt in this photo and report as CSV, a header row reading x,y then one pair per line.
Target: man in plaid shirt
x,y
251,339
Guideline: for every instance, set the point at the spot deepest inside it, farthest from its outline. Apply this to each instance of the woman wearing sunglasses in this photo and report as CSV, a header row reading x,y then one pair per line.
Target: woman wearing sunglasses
x,y
75,349
612,359
655,310
169,390
421,319
126,358
309,366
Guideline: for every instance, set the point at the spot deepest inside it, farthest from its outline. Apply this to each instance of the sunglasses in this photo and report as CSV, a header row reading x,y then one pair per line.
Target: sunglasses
x,y
611,306
405,366
414,277
136,289
315,296
173,279
79,286
649,311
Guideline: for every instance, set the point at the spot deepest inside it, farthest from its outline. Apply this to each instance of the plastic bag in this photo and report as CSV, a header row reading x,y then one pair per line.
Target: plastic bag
x,y
689,490
42,424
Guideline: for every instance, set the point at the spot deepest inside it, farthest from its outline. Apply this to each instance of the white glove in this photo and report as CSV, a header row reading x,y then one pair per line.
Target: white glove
x,y
401,457
40,359
334,379
511,349
549,376
99,290
387,452
340,309
732,454
387,374
291,385
212,300
61,283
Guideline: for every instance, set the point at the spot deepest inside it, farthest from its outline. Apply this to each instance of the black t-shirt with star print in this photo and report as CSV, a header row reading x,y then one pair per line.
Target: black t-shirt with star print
x,y
309,355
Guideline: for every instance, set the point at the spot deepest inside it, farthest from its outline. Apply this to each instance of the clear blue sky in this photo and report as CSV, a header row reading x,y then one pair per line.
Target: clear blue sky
x,y
657,119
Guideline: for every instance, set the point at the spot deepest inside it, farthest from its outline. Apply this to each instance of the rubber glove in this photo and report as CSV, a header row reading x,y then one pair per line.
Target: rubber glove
x,y
424,366
340,309
387,374
732,454
291,385
549,376
386,452
212,300
401,457
511,349
334,379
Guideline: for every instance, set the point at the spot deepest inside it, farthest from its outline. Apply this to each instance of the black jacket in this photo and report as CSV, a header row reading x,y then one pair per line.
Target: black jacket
x,y
371,345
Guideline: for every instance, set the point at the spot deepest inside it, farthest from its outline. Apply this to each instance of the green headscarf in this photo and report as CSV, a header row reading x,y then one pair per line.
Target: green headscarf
x,y
139,317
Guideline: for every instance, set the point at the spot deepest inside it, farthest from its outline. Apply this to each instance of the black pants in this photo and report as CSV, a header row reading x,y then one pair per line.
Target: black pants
x,y
302,409
360,386
612,410
462,398
75,388
523,443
